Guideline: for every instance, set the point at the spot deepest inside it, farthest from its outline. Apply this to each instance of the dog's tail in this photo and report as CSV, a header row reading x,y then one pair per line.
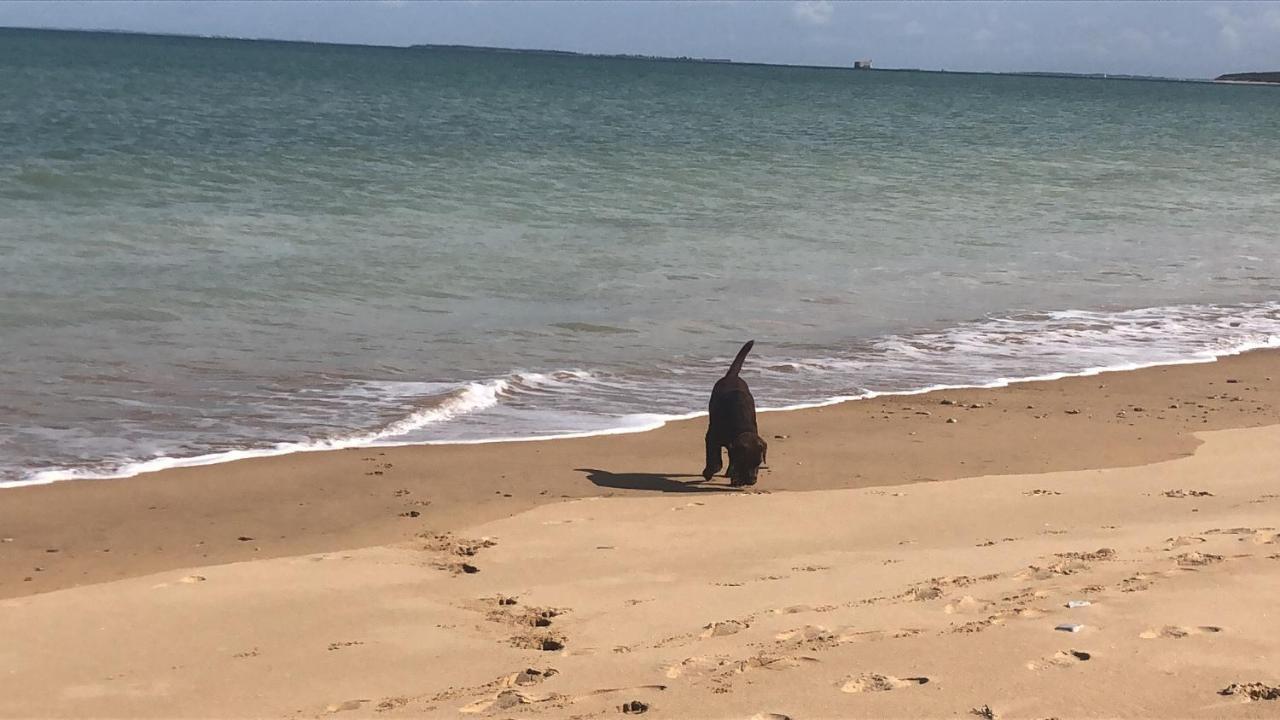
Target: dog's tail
x,y
737,362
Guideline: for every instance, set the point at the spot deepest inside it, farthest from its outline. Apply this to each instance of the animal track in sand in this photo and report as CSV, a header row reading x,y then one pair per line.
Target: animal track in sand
x,y
770,716
455,548
528,617
1177,632
875,682
391,703
1186,493
348,643
1184,540
1060,659
1038,492
447,543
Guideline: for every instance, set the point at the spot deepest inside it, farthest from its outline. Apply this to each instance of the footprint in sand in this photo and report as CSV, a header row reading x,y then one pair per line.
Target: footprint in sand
x,y
528,676
1177,632
1197,559
808,634
505,700
966,604
1184,540
344,706
1060,659
696,665
545,643
1262,537
770,716
1252,691
722,628
792,609
1135,583
772,662
875,682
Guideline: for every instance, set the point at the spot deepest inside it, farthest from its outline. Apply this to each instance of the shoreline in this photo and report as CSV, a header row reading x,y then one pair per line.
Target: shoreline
x,y
355,442
301,503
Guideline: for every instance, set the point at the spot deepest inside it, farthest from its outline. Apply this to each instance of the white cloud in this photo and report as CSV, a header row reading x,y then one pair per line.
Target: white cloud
x,y
813,12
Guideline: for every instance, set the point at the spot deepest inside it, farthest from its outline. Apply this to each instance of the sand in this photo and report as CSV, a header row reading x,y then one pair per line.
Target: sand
x,y
588,577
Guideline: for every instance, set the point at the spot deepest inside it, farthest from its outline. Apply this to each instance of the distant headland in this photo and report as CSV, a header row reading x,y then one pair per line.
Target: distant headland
x,y
1250,77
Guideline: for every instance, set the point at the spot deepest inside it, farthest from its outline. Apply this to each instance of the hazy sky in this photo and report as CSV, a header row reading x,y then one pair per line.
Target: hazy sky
x,y
1185,39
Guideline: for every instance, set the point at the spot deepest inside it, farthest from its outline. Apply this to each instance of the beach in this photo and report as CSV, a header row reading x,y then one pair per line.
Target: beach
x,y
901,556
364,381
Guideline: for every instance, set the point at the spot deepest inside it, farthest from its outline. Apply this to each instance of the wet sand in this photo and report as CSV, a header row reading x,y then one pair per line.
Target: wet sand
x,y
73,533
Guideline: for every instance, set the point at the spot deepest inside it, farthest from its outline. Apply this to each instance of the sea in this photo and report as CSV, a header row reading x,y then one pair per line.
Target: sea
x,y
213,249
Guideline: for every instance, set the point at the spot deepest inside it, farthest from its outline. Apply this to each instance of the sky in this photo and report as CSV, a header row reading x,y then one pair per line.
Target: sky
x,y
1181,39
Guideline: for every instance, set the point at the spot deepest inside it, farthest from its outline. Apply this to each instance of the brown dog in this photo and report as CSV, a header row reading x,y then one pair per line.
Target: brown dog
x,y
733,426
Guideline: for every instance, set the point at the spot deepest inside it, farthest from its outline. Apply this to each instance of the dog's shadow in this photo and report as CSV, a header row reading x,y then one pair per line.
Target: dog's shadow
x,y
657,482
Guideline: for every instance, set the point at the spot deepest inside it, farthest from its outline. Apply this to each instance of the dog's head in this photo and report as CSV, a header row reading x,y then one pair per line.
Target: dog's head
x,y
747,453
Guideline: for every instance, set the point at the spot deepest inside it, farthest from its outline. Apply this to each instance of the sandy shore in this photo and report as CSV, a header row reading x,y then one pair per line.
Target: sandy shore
x,y
1154,494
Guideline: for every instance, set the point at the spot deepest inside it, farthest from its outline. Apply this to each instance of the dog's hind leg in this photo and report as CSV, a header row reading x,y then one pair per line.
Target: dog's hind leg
x,y
713,458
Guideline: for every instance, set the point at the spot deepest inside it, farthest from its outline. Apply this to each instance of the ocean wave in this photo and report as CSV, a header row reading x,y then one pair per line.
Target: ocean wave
x,y
570,403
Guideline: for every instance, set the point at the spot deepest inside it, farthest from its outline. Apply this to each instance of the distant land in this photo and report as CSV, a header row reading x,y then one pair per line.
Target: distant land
x,y
1244,78
727,61
569,53
1250,77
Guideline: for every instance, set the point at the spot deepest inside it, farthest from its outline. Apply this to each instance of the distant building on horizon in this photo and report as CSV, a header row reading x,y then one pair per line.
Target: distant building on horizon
x,y
861,64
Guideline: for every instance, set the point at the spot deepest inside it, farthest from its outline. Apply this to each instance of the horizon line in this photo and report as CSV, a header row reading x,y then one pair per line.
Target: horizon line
x,y
620,55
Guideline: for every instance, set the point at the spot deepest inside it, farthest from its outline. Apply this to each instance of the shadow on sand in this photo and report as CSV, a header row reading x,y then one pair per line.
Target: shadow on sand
x,y
660,482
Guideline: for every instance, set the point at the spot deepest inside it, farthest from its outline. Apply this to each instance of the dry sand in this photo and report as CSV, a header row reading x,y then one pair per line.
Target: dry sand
x,y
874,594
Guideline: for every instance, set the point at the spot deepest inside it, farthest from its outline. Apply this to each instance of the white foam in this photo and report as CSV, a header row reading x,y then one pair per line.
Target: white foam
x,y
1127,340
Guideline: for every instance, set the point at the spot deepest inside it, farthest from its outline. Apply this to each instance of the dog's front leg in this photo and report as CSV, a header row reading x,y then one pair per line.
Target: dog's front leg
x,y
713,458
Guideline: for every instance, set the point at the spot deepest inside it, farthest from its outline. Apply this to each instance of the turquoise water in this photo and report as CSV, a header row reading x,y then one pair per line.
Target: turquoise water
x,y
214,246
